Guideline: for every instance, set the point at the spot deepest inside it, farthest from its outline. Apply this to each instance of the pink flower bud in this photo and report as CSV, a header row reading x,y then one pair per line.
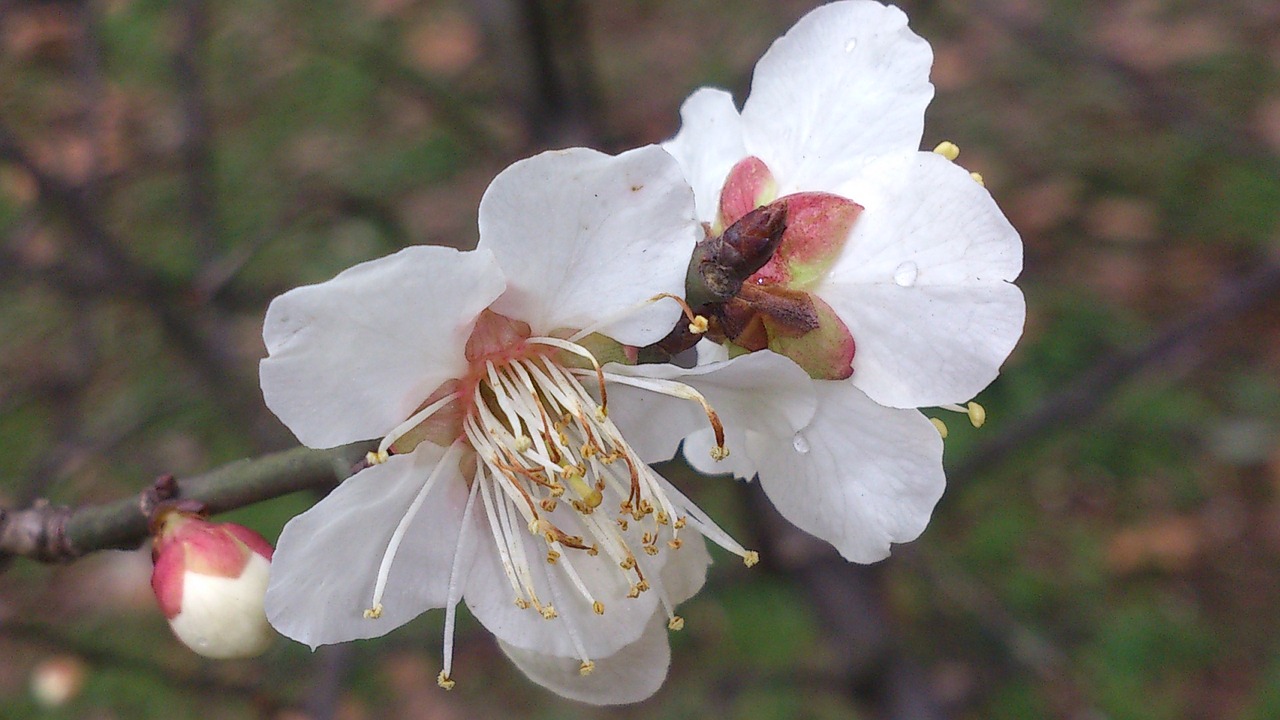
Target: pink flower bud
x,y
210,579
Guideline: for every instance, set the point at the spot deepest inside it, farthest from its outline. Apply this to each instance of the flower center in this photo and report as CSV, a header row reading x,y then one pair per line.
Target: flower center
x,y
528,425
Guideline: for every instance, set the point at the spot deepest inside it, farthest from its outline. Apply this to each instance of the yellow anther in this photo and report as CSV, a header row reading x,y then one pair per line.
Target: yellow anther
x,y
602,413
445,681
679,523
597,607
523,443
593,550
548,612
377,457
941,426
643,586
548,504
634,592
650,550
977,177
676,623
675,543
522,603
750,558
552,556
586,668
622,523
719,452
627,563
699,325
662,517
977,414
948,150
374,612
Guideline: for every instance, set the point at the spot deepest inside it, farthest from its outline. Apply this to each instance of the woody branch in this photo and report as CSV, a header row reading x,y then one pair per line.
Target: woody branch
x,y
56,533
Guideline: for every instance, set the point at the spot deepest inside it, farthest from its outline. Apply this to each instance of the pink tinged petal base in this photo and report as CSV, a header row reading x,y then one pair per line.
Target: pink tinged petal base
x,y
849,81
925,287
583,236
352,357
328,558
708,145
861,476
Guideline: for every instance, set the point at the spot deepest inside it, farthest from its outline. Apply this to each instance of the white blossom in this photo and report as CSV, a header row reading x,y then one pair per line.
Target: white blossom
x,y
504,477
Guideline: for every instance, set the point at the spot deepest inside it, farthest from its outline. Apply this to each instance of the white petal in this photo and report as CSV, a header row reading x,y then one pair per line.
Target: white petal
x,y
922,208
849,81
630,675
582,236
353,357
923,285
861,476
708,145
761,392
928,346
327,559
685,572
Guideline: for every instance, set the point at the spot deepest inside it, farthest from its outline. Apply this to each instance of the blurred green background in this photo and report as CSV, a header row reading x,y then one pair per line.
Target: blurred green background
x,y
1109,545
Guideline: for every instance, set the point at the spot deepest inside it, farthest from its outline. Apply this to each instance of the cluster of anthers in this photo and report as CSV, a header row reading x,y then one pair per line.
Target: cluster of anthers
x,y
531,439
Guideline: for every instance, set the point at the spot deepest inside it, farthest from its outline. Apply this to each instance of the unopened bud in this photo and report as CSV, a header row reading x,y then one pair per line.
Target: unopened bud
x,y
211,580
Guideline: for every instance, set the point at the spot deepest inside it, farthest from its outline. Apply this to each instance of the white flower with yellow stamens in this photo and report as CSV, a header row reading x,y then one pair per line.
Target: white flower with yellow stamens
x,y
891,285
502,478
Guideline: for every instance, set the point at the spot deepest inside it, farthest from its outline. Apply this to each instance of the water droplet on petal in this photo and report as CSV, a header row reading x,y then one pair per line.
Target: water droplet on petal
x,y
850,44
906,274
800,443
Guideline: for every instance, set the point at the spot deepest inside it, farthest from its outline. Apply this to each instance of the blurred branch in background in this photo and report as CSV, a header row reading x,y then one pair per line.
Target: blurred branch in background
x,y
1089,392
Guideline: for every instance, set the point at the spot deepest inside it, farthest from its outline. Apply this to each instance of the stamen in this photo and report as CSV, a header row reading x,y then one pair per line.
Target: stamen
x,y
582,352
404,427
698,324
679,390
498,540
708,527
569,626
449,460
977,414
941,426
444,681
977,177
504,402
948,150
454,594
